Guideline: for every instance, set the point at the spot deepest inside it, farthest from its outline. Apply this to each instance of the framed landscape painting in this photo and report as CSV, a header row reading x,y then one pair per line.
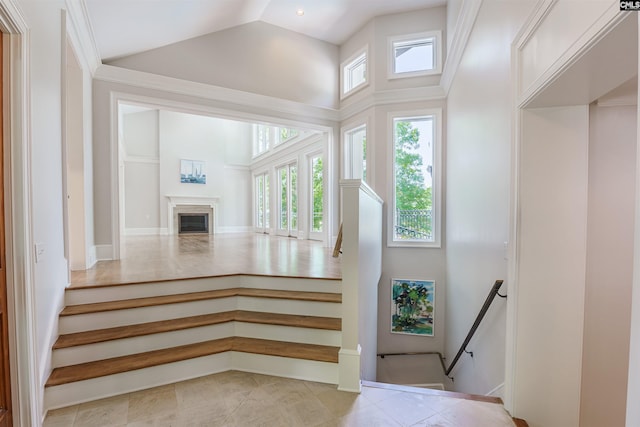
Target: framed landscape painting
x,y
412,306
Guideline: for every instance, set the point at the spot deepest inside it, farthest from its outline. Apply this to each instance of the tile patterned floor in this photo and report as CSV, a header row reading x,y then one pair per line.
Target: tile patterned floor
x,y
240,399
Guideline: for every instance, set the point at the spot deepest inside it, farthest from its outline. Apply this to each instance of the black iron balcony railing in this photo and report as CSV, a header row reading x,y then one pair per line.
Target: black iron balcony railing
x,y
414,224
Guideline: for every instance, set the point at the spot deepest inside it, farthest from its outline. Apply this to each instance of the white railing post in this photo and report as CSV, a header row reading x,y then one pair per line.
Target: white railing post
x,y
361,270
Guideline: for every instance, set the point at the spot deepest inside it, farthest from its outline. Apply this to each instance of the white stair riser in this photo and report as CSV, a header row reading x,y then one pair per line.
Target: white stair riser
x,y
127,346
140,379
149,289
141,290
299,369
110,319
291,284
132,316
303,308
98,388
124,347
288,334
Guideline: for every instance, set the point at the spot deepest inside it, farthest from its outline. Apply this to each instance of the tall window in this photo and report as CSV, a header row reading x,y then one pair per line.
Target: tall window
x,y
353,72
288,199
415,181
262,202
415,55
317,194
355,153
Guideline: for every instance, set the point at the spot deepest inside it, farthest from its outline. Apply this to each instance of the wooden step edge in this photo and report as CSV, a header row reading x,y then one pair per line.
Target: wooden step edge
x,y
117,365
432,392
198,296
142,329
97,285
519,422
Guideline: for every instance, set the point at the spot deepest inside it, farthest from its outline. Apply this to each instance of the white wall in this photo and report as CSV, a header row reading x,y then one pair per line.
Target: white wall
x,y
155,142
605,360
552,261
477,194
141,172
399,263
385,26
193,137
50,273
255,57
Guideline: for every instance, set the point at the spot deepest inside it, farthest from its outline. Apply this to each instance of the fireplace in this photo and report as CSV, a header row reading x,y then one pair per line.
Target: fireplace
x,y
198,213
193,223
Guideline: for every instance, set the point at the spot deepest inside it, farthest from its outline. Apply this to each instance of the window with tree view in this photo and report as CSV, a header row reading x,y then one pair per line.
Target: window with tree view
x,y
413,184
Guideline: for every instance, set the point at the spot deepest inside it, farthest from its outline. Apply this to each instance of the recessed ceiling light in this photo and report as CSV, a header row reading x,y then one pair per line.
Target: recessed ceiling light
x,y
300,12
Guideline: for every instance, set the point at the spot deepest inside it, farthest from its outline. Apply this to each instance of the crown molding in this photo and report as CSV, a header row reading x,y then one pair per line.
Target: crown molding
x,y
12,18
81,33
466,20
109,73
386,97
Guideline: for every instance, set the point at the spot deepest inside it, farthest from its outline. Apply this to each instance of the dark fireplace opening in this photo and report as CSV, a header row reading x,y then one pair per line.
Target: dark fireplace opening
x,y
193,223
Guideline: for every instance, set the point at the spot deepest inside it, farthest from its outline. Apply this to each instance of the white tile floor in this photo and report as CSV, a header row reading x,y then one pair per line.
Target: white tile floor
x,y
244,399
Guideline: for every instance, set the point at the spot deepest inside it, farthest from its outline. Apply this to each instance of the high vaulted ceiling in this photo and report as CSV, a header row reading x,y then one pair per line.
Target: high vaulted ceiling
x,y
125,27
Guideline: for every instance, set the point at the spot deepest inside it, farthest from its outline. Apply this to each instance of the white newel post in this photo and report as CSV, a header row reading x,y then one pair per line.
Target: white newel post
x,y
361,270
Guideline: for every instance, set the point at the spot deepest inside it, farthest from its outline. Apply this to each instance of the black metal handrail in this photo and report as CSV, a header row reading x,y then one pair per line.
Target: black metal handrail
x,y
463,348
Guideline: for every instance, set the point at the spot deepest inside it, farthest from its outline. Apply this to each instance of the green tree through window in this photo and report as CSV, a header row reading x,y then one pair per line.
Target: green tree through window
x,y
318,193
413,184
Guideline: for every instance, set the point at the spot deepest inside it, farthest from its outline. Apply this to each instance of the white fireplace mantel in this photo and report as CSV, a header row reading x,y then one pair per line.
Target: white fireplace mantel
x,y
178,202
193,200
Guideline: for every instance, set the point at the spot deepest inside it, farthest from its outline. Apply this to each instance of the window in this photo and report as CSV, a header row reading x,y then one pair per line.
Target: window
x,y
415,55
286,134
415,182
317,194
262,202
354,72
261,139
288,200
355,153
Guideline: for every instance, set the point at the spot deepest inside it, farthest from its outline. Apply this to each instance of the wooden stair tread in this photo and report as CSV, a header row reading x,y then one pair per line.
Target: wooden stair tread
x,y
199,296
100,368
136,330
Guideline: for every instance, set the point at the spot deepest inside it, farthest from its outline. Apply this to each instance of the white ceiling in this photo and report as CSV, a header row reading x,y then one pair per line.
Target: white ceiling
x,y
124,27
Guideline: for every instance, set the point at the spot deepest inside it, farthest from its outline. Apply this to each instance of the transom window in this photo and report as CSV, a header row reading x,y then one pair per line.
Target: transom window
x,y
414,215
286,134
415,55
354,72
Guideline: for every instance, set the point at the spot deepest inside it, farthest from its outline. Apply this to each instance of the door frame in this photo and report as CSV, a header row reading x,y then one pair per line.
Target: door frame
x,y
26,398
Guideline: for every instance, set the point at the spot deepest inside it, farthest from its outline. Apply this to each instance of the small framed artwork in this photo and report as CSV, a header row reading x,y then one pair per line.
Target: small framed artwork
x,y
192,172
412,306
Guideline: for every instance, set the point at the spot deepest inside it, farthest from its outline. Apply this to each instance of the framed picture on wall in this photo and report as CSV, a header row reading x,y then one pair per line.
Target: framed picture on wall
x,y
192,172
412,306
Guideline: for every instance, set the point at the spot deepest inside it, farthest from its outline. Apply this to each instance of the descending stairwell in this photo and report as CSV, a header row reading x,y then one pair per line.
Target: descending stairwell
x,y
121,338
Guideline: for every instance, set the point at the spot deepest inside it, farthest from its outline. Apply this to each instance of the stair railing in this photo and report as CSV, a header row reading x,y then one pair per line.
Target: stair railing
x,y
495,289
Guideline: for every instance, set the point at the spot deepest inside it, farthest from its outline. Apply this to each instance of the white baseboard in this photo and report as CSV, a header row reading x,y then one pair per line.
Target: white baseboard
x,y
498,391
433,386
104,252
93,259
235,229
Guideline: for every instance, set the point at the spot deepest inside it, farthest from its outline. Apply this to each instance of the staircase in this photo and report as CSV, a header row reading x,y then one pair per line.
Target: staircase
x,y
126,337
